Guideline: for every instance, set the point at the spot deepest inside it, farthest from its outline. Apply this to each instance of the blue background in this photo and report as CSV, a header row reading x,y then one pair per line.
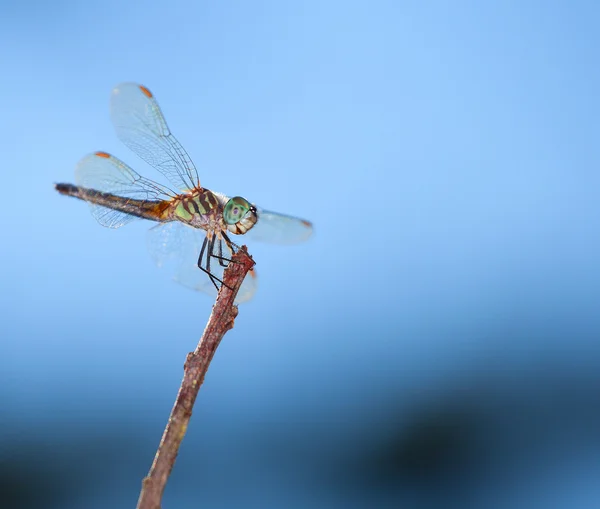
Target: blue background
x,y
435,344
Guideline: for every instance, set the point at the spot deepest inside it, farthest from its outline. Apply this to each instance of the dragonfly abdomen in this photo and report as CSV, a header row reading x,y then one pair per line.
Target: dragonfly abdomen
x,y
146,209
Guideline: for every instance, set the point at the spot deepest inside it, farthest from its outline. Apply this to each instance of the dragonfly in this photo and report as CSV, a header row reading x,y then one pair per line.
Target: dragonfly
x,y
193,239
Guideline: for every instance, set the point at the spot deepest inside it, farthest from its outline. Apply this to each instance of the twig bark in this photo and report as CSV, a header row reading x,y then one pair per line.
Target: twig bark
x,y
195,368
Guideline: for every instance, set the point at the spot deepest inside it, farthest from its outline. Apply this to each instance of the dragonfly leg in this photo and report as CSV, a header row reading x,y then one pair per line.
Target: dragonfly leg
x,y
223,262
232,247
209,254
201,262
211,247
214,278
202,252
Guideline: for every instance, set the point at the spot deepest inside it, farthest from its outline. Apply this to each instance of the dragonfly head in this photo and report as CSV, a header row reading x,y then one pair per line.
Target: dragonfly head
x,y
239,215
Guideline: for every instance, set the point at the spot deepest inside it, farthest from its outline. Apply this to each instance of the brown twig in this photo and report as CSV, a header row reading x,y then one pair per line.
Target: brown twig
x,y
195,368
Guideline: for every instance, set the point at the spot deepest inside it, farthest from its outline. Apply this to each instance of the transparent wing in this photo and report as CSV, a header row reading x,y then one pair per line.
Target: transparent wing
x,y
104,172
140,124
277,228
175,247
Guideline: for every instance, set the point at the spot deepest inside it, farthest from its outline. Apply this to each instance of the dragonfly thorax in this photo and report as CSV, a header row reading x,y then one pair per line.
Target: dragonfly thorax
x,y
200,209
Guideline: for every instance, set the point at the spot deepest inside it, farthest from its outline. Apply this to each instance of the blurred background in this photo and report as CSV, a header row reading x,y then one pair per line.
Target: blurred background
x,y
436,343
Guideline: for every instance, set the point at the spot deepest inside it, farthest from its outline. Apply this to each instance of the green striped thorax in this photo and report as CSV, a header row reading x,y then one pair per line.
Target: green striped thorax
x,y
239,215
194,205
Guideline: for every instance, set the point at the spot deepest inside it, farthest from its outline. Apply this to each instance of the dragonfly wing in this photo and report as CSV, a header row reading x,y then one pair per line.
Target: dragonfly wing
x,y
277,228
175,247
106,173
140,124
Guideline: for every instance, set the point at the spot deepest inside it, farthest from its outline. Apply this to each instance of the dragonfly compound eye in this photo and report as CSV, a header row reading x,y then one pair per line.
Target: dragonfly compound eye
x,y
239,215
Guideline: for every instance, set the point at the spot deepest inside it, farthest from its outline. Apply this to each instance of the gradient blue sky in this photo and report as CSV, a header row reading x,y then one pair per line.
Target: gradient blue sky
x,y
446,152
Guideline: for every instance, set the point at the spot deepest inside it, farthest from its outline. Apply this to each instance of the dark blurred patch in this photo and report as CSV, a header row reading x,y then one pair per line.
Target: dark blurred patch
x,y
25,481
46,469
491,433
435,447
